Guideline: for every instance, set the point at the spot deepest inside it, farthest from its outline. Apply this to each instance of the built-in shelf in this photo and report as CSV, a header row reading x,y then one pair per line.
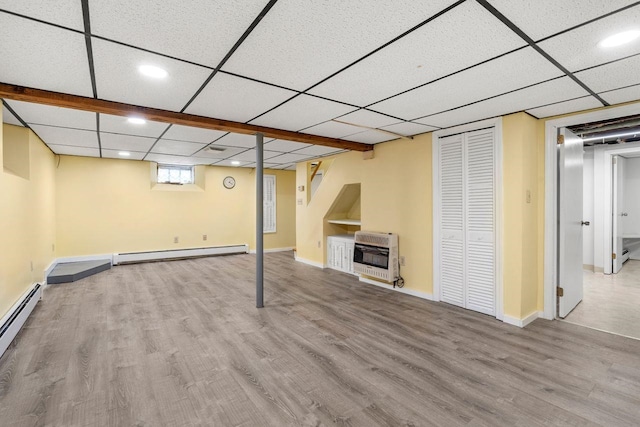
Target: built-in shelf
x,y
344,221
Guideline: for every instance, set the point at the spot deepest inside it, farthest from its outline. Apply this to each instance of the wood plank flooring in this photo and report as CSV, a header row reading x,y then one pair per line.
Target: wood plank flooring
x,y
611,302
180,343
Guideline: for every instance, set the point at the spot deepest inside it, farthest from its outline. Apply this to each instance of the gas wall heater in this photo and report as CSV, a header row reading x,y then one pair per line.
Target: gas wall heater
x,y
376,255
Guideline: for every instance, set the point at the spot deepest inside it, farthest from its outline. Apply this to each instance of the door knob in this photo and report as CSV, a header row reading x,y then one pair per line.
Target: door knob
x,y
586,223
624,214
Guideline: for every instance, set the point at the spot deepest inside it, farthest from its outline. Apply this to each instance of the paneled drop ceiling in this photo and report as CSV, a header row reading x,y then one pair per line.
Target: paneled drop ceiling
x,y
339,69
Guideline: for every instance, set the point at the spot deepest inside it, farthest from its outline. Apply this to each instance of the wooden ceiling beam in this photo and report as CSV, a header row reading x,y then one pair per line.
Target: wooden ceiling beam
x,y
39,96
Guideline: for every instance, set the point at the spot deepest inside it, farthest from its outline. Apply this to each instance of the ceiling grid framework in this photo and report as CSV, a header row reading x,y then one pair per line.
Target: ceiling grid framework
x,y
336,70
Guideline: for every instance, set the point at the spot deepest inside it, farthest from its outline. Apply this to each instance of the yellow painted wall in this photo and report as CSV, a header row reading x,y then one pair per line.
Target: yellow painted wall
x,y
397,198
310,233
520,220
107,205
27,210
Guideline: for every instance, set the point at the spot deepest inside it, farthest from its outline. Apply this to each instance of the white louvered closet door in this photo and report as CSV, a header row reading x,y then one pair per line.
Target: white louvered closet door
x,y
452,220
480,250
269,204
467,220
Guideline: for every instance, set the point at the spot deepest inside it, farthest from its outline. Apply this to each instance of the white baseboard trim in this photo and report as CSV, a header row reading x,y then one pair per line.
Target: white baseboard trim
x,y
178,253
266,251
12,322
521,323
423,295
306,261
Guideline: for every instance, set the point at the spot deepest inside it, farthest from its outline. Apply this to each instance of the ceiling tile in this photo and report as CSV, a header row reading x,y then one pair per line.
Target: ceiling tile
x,y
504,74
289,158
264,165
250,155
67,13
318,150
234,98
43,57
118,79
65,136
237,140
9,118
622,95
114,141
290,168
191,134
578,49
565,107
332,129
115,154
368,118
69,150
542,18
470,34
212,154
409,129
370,137
54,116
177,160
318,38
202,31
121,125
182,148
284,146
612,76
532,97
302,112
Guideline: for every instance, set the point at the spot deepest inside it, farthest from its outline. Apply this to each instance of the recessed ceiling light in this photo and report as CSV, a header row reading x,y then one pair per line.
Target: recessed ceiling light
x,y
620,38
136,120
235,163
153,71
124,153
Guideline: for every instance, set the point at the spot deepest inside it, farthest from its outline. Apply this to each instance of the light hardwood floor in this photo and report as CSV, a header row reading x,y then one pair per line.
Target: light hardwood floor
x,y
611,302
180,343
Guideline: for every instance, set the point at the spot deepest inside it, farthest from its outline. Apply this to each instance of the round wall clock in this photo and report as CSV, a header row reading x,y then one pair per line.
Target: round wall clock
x,y
229,182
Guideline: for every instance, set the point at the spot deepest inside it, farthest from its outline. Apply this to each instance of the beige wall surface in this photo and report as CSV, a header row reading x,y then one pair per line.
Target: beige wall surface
x,y
108,205
27,211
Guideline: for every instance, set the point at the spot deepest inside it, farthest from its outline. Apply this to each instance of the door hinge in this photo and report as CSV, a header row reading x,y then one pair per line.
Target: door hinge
x,y
560,292
614,256
560,139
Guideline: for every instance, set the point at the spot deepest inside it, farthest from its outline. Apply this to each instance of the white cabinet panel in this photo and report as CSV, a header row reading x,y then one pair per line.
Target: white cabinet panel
x,y
340,250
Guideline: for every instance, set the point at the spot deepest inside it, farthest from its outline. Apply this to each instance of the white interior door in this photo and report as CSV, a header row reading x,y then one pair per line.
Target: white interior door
x,y
618,212
570,175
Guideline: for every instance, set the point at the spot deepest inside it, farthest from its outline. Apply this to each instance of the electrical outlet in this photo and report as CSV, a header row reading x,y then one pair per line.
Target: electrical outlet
x,y
299,202
175,239
528,196
319,244
53,247
204,237
31,265
402,260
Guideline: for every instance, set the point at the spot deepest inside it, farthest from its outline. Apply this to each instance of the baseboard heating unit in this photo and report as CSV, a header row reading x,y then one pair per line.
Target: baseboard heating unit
x,y
16,317
170,254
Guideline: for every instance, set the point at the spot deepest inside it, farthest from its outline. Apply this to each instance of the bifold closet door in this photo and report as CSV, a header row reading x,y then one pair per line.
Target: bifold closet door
x,y
480,220
467,220
452,277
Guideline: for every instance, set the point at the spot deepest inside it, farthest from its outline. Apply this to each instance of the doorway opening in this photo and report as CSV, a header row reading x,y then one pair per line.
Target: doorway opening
x,y
598,246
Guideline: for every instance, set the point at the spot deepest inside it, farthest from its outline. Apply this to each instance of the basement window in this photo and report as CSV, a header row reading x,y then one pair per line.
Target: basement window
x,y
175,174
